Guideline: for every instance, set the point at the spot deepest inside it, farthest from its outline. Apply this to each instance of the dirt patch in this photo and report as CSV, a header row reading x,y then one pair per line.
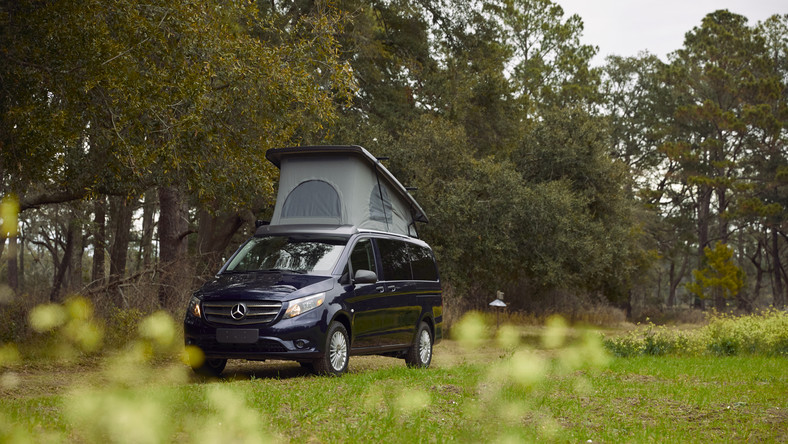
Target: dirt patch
x,y
44,378
31,380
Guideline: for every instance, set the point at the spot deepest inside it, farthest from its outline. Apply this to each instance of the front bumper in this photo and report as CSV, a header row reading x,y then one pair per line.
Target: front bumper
x,y
299,338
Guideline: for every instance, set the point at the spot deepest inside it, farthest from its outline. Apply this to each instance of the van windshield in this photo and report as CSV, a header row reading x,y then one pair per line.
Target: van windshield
x,y
283,253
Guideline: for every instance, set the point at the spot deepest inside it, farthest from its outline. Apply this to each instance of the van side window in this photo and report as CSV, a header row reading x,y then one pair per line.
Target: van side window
x,y
395,260
423,264
363,256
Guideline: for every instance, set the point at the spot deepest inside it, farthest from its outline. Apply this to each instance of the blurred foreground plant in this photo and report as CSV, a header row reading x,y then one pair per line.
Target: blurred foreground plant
x,y
69,328
514,389
134,398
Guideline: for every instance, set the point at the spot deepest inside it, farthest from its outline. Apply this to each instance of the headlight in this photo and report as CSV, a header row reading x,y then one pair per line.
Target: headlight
x,y
194,307
303,305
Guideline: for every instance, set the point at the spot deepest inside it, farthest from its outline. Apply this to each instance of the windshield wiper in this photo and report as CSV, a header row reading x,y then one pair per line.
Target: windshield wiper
x,y
283,270
267,270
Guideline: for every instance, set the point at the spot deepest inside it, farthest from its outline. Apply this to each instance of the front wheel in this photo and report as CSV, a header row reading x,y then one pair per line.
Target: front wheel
x,y
211,368
337,349
420,353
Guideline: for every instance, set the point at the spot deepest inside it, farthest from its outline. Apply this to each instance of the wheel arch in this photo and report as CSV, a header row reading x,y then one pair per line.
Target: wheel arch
x,y
344,319
427,319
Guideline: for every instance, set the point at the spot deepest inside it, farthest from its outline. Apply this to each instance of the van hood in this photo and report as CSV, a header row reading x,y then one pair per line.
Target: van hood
x,y
257,285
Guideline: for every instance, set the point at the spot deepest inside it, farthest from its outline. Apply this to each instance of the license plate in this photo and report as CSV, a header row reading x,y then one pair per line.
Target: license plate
x,y
237,335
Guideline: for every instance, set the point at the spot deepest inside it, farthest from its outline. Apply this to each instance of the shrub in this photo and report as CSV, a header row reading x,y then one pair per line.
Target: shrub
x,y
763,333
652,341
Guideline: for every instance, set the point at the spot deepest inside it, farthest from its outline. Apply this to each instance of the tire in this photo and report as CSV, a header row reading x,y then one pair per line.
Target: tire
x,y
211,368
420,353
337,351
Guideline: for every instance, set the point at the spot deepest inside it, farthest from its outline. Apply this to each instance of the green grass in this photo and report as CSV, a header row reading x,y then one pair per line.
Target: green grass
x,y
557,385
666,399
675,399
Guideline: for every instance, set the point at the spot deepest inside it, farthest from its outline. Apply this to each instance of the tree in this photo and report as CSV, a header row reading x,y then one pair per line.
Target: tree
x,y
638,107
570,147
721,79
770,165
121,97
551,67
720,276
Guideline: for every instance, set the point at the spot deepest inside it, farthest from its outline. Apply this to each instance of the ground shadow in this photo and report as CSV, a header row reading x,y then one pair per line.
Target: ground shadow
x,y
240,370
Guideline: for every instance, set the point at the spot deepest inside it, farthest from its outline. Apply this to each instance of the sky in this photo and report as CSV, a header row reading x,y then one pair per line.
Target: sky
x,y
626,27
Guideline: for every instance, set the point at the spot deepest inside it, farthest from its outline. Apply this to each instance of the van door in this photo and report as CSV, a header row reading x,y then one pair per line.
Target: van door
x,y
400,306
428,287
365,302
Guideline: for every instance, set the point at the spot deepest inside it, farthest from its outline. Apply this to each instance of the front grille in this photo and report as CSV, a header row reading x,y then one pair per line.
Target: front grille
x,y
256,312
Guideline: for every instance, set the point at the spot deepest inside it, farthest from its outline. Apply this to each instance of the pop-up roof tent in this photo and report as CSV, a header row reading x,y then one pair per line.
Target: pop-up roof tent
x,y
341,185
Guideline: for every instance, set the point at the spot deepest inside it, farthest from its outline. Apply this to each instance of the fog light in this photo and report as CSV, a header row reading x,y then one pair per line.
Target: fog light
x,y
300,343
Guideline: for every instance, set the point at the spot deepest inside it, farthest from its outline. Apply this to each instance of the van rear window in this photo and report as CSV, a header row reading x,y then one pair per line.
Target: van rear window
x,y
422,263
405,261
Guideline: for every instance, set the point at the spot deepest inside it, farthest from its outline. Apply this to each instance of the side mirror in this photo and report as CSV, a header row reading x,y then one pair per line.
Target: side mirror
x,y
365,277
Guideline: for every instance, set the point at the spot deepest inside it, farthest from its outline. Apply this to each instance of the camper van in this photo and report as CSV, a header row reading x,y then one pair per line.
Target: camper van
x,y
338,271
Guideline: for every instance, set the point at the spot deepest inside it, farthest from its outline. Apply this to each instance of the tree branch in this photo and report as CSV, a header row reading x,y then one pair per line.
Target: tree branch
x,y
186,233
49,197
39,199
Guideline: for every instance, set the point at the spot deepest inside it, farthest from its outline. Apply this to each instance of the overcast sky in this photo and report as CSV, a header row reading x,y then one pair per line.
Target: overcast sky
x,y
625,27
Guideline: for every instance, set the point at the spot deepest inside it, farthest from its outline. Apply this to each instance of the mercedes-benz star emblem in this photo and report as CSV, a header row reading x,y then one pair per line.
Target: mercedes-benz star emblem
x,y
238,311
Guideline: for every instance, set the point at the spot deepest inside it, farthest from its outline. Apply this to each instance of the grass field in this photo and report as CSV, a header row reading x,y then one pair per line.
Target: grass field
x,y
486,391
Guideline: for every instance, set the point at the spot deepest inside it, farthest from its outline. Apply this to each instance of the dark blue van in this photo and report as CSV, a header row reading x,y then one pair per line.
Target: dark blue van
x,y
309,290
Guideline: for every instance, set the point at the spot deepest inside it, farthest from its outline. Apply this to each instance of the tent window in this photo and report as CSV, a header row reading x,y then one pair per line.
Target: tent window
x,y
380,205
313,198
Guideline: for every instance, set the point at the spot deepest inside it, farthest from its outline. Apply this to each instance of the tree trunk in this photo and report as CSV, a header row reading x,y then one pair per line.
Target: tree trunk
x,y
672,290
64,263
779,296
21,269
747,304
146,241
173,226
628,305
121,212
13,272
99,241
720,304
75,267
676,280
704,205
719,294
214,235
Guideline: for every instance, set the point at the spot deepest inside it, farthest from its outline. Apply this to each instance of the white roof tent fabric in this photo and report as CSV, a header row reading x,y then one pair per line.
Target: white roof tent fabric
x,y
341,185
